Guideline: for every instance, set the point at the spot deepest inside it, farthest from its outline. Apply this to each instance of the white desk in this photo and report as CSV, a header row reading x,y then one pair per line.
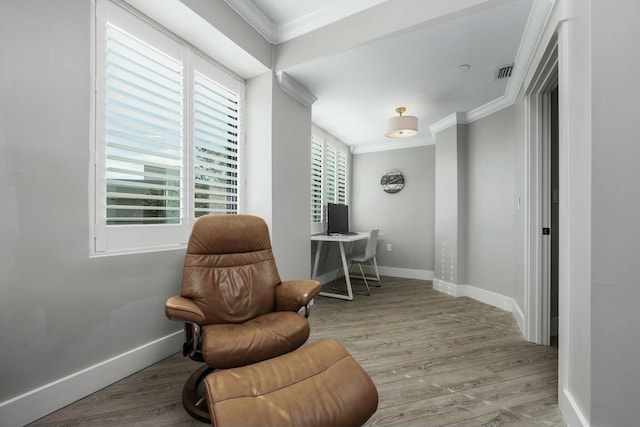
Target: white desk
x,y
341,240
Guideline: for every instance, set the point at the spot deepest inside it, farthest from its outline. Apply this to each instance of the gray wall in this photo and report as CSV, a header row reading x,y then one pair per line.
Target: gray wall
x,y
291,186
59,310
406,218
449,205
615,292
479,230
518,147
490,210
278,170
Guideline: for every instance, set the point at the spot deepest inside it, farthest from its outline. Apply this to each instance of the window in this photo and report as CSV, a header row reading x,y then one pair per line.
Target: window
x,y
341,178
317,163
144,132
329,174
215,148
167,140
330,164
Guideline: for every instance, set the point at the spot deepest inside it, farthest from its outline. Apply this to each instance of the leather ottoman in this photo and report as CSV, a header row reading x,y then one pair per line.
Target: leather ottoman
x,y
319,385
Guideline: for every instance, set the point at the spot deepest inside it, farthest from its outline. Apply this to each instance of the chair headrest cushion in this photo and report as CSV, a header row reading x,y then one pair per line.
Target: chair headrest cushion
x,y
223,234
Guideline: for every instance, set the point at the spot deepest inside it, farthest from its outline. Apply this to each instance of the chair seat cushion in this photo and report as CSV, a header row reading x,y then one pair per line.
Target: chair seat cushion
x,y
359,258
266,336
318,385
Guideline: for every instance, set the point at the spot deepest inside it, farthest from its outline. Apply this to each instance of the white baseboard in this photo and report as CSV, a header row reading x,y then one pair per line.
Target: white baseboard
x,y
407,273
571,413
482,295
48,398
518,314
446,287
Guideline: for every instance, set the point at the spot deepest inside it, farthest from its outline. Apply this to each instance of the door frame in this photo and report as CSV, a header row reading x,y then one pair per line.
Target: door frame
x,y
537,262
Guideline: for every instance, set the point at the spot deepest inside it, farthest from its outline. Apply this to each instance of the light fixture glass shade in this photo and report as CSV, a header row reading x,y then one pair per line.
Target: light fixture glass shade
x,y
402,127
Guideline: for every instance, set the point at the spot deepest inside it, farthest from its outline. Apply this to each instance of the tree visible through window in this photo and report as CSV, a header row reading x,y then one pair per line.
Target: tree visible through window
x,y
144,132
216,148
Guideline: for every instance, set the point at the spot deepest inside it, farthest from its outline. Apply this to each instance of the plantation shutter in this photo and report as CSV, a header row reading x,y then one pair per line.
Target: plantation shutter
x,y
316,180
144,133
342,177
331,170
215,148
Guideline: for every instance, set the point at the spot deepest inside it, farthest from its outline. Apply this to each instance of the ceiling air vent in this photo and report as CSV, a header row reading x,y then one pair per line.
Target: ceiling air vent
x,y
504,72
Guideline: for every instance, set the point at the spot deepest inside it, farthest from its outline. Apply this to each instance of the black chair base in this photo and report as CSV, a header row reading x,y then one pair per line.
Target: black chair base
x,y
194,395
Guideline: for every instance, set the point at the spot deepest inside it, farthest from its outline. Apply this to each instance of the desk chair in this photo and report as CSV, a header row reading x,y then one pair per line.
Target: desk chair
x,y
366,257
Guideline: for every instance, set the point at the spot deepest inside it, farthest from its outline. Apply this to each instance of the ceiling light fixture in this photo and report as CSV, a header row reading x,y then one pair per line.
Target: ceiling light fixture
x,y
402,126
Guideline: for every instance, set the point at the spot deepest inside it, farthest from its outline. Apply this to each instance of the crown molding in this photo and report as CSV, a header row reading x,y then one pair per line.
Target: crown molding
x,y
255,17
398,144
281,32
541,11
338,10
459,118
295,89
489,108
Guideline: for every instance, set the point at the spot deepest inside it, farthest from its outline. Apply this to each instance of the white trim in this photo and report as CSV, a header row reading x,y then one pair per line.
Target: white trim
x,y
536,279
533,223
478,294
490,107
397,144
50,397
541,12
518,314
295,89
319,18
451,120
570,410
575,324
445,287
141,250
407,273
277,32
254,17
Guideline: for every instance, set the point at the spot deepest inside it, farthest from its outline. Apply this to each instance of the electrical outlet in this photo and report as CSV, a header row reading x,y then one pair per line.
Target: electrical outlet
x,y
389,248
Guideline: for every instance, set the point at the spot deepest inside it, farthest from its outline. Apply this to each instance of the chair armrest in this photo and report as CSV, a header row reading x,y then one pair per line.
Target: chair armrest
x,y
184,309
292,295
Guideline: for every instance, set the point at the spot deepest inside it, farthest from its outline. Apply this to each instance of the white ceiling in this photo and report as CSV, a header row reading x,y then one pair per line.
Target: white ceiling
x,y
358,87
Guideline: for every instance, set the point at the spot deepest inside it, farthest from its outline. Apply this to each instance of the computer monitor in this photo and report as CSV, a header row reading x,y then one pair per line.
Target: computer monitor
x,y
337,218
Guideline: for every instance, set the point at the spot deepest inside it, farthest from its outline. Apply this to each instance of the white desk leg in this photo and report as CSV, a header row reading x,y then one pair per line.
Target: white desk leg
x,y
345,266
316,261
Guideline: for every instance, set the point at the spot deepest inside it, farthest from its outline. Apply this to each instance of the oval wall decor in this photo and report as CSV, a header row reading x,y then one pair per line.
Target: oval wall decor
x,y
392,181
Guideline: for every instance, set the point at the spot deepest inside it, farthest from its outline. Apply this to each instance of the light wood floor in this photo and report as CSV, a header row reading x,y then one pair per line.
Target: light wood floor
x,y
436,361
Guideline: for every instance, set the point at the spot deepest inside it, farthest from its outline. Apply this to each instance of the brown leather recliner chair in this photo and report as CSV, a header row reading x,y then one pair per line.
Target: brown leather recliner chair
x,y
236,309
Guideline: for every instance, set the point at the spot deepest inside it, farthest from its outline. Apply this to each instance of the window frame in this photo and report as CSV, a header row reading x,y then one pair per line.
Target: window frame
x,y
123,239
341,163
